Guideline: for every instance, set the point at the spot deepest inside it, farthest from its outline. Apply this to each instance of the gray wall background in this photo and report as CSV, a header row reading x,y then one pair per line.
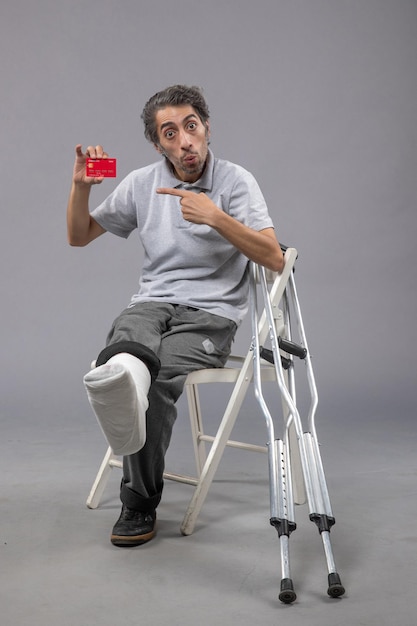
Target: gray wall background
x,y
318,98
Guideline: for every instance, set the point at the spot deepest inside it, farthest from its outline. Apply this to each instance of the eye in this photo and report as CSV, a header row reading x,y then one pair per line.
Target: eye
x,y
169,134
192,125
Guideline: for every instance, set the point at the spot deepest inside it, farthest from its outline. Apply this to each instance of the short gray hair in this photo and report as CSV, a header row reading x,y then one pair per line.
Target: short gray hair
x,y
177,95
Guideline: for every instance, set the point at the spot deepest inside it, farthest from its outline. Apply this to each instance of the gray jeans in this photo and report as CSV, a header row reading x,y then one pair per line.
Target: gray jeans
x,y
184,339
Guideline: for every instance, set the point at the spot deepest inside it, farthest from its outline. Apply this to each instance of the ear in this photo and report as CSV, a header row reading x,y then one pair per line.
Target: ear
x,y
160,150
208,128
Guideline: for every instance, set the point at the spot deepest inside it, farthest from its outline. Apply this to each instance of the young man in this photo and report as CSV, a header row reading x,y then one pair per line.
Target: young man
x,y
199,219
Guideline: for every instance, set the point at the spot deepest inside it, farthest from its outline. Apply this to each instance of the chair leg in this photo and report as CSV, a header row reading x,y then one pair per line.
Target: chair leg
x,y
101,479
217,449
196,424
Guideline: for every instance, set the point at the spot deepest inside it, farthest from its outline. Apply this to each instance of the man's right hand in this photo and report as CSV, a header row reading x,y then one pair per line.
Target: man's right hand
x,y
82,228
79,175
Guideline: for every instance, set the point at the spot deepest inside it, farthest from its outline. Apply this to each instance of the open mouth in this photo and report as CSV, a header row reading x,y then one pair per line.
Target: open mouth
x,y
190,160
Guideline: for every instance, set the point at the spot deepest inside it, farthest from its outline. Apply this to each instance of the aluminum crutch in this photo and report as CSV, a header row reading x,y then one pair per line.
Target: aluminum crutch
x,y
318,498
279,453
281,496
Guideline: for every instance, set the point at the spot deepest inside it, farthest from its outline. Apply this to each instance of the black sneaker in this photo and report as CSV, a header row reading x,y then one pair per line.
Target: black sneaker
x,y
133,527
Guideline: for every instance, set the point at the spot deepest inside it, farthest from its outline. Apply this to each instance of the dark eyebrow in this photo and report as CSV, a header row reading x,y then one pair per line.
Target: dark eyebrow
x,y
188,117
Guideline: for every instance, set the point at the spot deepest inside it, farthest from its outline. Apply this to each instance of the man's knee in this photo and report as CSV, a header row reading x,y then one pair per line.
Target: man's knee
x,y
135,348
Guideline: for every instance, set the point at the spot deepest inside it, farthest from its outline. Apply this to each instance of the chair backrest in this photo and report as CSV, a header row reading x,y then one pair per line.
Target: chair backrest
x,y
272,285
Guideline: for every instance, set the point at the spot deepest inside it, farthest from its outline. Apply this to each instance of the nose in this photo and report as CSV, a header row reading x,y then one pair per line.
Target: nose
x,y
185,141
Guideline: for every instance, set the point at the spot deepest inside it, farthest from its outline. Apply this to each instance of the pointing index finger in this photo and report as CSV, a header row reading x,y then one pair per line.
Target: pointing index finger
x,y
182,193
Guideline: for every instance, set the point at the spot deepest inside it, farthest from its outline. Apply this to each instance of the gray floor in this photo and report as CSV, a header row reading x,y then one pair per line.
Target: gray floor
x,y
59,568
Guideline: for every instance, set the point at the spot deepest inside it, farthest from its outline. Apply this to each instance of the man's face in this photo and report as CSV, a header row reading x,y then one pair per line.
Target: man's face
x,y
183,139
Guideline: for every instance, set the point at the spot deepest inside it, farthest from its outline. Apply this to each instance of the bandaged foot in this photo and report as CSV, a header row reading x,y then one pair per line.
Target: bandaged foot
x,y
118,394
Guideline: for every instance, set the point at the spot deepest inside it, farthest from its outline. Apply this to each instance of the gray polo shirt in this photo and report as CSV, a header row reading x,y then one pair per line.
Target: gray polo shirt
x,y
185,263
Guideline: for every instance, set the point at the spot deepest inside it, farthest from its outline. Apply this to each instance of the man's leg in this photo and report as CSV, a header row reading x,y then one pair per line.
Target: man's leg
x,y
192,340
118,394
118,386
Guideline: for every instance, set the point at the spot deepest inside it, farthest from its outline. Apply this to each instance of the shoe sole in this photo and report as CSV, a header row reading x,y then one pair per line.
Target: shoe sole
x,y
130,541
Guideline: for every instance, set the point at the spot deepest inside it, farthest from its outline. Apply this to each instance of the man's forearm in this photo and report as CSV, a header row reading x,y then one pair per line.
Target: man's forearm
x,y
260,246
81,228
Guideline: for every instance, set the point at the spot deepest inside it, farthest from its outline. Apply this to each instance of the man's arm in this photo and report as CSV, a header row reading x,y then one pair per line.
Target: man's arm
x,y
81,227
259,246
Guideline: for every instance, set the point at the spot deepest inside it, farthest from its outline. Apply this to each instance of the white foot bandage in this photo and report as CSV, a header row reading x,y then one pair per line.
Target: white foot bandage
x,y
118,394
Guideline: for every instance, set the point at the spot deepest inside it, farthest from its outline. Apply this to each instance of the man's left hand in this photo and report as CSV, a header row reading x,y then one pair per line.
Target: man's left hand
x,y
196,207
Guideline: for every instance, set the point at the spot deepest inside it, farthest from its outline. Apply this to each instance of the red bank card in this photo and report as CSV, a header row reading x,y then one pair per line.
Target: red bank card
x,y
101,167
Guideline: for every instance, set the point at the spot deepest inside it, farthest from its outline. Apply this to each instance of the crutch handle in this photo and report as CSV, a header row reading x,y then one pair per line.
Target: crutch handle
x,y
287,346
292,348
268,355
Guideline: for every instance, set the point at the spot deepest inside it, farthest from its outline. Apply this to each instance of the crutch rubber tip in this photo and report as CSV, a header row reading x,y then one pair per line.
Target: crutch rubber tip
x,y
336,588
287,593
